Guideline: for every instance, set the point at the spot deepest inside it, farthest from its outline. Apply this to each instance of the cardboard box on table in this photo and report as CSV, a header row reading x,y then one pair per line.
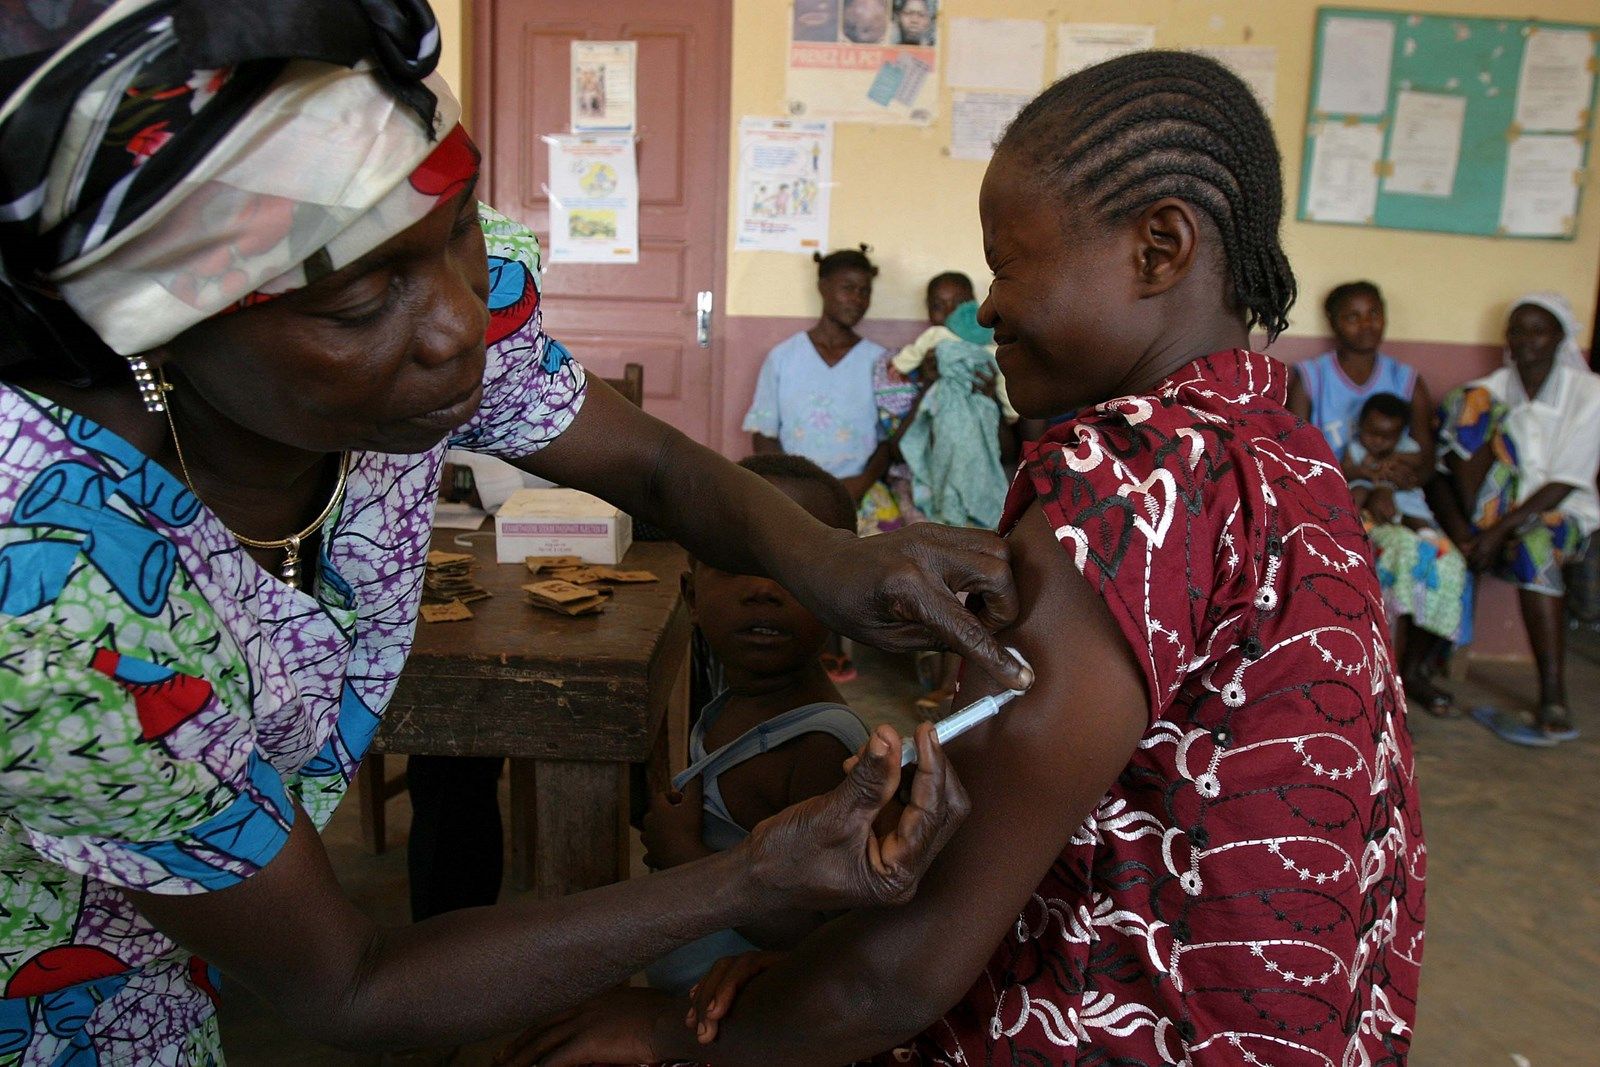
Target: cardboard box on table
x,y
561,522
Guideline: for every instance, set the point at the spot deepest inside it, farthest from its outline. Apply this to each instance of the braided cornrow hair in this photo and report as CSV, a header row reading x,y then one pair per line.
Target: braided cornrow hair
x,y
1121,135
1341,293
844,259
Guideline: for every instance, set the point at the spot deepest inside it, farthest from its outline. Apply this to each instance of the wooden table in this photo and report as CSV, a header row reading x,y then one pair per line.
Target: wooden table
x,y
572,701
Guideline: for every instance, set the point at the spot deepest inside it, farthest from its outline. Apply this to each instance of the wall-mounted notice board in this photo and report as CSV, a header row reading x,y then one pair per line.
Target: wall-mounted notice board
x,y
1457,125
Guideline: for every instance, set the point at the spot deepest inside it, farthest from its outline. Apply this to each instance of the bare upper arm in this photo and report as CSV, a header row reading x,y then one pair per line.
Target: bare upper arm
x,y
1422,414
288,932
1034,773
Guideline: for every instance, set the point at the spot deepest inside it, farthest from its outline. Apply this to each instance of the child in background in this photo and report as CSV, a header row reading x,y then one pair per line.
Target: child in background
x,y
953,327
1372,463
776,735
920,361
1422,573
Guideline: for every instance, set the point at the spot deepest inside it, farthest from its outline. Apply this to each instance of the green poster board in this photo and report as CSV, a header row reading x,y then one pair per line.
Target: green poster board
x,y
1470,70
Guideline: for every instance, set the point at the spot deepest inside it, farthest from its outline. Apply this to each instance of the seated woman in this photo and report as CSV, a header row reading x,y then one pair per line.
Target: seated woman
x,y
1195,839
1522,449
1328,391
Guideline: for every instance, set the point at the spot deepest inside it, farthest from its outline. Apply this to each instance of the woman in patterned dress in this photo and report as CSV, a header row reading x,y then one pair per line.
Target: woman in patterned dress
x,y
248,290
1522,446
1196,839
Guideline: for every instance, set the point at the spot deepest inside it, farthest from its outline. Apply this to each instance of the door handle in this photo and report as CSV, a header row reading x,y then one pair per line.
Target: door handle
x,y
702,318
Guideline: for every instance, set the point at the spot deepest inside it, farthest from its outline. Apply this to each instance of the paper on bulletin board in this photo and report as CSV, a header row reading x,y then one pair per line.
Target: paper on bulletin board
x,y
978,119
594,199
1357,55
1343,186
1425,149
785,176
995,54
1541,191
1557,80
864,61
603,97
1256,64
1083,44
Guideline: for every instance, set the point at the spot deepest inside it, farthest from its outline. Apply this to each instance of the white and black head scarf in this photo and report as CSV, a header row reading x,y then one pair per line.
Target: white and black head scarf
x,y
176,159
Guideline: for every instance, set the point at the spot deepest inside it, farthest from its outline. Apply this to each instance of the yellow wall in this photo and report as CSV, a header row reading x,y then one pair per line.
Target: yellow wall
x,y
898,192
455,45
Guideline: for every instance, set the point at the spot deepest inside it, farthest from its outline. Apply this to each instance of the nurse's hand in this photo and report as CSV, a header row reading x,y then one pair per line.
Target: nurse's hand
x,y
898,591
824,853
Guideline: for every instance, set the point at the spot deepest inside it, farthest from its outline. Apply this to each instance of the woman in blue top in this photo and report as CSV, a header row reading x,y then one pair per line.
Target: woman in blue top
x,y
815,397
1328,391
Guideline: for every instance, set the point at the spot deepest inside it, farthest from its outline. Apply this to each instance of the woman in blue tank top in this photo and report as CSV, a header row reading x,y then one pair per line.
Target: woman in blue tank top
x,y
1328,391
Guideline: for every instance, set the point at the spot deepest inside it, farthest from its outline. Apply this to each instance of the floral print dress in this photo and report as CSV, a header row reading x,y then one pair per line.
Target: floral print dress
x,y
165,701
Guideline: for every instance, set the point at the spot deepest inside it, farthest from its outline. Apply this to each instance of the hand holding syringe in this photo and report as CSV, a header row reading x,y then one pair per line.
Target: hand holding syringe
x,y
954,725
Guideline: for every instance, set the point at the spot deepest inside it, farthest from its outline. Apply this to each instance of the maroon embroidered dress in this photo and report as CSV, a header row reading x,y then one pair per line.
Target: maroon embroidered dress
x,y
1250,889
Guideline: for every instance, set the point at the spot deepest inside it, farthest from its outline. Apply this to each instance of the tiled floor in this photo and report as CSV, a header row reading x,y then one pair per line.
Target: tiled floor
x,y
1513,956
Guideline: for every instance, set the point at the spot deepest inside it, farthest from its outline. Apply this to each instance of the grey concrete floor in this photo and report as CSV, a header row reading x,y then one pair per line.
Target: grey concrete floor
x,y
1512,964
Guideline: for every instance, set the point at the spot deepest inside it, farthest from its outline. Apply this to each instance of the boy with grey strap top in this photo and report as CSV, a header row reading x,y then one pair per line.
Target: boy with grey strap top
x,y
778,733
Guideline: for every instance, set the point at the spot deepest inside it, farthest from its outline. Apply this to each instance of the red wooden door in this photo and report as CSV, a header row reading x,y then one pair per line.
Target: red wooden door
x,y
609,314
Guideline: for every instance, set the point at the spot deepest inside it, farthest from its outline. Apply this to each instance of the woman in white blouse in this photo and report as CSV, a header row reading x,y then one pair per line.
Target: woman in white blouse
x,y
1522,447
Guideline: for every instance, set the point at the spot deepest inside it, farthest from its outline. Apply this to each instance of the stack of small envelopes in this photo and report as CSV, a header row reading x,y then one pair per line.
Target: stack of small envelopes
x,y
447,587
569,586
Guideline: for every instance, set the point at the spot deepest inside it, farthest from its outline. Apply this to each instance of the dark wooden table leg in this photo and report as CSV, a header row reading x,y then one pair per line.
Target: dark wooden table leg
x,y
523,823
569,825
371,795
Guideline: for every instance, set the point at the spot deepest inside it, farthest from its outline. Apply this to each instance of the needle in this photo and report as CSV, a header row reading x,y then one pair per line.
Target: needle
x,y
954,725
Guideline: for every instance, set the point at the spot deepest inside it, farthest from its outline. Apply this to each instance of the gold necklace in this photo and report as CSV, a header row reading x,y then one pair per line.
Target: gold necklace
x,y
289,570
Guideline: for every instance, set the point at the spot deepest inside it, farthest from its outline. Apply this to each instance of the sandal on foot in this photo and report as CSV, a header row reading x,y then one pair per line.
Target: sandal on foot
x,y
1435,701
1556,723
1512,728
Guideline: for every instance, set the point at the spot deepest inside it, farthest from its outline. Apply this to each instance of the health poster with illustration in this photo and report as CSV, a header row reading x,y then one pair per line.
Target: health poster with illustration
x,y
785,174
864,60
594,199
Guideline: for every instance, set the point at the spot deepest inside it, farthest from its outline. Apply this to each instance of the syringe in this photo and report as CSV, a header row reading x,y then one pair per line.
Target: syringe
x,y
954,725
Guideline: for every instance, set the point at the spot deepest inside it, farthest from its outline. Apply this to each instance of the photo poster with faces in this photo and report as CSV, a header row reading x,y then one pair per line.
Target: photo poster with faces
x,y
872,61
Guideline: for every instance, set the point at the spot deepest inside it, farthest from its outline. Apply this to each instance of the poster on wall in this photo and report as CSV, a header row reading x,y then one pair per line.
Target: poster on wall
x,y
1343,182
594,199
1256,65
871,61
995,54
1083,44
603,98
1543,173
977,121
1556,82
785,174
